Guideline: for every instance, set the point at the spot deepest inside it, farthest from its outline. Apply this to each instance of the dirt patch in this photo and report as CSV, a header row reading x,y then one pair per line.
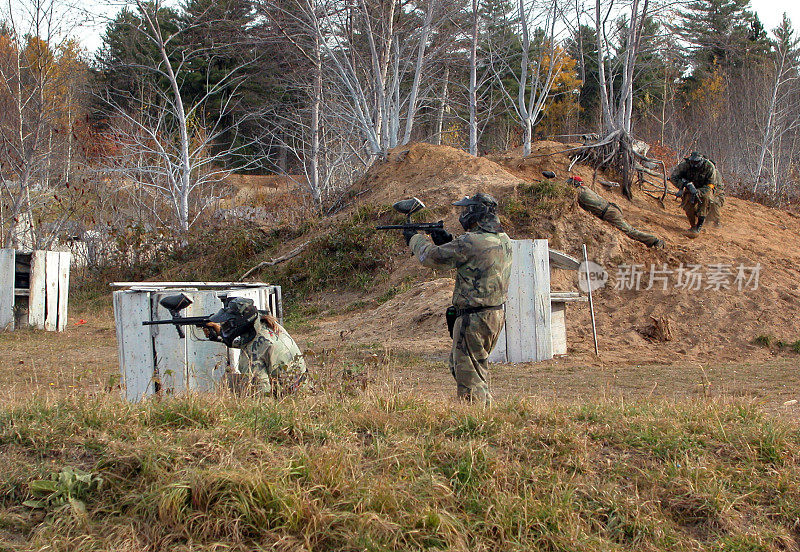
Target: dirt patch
x,y
712,323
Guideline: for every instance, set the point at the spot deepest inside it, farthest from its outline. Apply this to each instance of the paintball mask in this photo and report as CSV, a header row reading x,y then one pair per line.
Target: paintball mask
x,y
695,160
478,210
237,321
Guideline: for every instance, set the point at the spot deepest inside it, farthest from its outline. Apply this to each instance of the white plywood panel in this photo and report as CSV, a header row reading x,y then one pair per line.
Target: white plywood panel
x,y
64,259
7,257
38,289
169,348
134,344
206,361
51,284
526,335
543,343
558,328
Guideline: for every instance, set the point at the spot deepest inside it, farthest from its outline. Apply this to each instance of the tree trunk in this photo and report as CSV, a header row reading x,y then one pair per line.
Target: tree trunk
x,y
412,100
437,139
473,83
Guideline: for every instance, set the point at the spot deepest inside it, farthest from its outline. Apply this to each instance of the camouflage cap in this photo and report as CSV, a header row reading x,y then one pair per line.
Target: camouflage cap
x,y
480,198
695,158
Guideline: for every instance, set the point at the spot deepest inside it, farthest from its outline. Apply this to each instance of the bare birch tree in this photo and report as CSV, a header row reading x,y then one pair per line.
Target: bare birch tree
x,y
168,145
783,110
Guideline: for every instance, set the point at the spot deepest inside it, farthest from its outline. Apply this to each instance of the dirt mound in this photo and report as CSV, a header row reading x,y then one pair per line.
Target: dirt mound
x,y
438,175
714,319
414,316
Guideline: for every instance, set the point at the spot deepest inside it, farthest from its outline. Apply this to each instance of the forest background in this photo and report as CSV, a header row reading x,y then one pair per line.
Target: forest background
x,y
137,143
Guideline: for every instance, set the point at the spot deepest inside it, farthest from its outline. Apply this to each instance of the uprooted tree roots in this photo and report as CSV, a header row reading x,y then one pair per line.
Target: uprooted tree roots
x,y
618,151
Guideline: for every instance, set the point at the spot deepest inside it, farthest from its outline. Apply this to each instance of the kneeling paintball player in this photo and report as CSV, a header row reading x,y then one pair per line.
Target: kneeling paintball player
x,y
482,259
699,186
270,360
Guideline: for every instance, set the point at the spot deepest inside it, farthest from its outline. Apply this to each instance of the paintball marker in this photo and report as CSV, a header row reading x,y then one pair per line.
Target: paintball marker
x,y
408,207
174,304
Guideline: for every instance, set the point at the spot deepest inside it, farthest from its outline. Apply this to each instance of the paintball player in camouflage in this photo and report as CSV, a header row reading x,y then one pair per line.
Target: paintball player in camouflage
x,y
270,360
611,213
699,186
482,259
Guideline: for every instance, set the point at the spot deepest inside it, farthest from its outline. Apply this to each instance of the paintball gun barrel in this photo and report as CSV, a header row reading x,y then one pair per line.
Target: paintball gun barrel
x,y
408,207
174,304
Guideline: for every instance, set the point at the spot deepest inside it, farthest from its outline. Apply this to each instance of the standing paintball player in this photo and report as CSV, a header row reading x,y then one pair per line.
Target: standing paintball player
x,y
482,259
270,360
699,187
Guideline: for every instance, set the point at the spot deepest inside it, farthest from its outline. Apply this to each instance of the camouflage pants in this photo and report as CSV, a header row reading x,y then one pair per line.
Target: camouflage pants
x,y
614,217
474,337
705,204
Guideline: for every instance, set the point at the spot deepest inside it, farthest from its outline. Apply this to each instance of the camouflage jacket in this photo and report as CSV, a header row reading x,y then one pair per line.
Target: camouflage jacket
x,y
277,356
482,261
706,175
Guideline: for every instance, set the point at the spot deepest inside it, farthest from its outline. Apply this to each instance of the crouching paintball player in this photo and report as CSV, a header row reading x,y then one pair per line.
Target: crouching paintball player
x,y
609,212
699,186
270,361
482,259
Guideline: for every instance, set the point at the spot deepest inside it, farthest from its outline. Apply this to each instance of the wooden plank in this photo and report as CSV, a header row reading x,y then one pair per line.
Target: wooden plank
x,y
206,361
540,290
169,348
134,344
51,294
514,307
7,289
36,304
22,292
64,259
166,285
558,328
521,345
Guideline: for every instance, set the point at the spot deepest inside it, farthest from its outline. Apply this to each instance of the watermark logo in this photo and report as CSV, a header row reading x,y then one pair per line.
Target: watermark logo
x,y
591,276
690,277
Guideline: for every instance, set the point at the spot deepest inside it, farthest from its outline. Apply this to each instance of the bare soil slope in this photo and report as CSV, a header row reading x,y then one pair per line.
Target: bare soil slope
x,y
708,325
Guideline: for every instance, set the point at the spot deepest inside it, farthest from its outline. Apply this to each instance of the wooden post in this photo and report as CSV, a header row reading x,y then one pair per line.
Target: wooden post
x,y
591,303
7,258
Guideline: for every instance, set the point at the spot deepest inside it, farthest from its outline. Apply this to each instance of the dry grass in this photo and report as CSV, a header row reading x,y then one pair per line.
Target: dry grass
x,y
384,470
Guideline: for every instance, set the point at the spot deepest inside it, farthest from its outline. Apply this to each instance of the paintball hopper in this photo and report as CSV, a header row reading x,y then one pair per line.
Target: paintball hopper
x,y
548,174
408,206
174,304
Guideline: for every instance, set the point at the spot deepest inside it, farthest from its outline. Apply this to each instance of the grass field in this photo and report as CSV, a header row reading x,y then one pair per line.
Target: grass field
x,y
572,457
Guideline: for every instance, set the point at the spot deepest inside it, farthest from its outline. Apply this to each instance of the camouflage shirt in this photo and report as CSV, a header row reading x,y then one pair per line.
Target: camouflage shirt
x,y
276,360
703,176
482,261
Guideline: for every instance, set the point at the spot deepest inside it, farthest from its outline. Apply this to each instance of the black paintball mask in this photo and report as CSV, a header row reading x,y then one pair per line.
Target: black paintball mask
x,y
479,210
237,321
695,160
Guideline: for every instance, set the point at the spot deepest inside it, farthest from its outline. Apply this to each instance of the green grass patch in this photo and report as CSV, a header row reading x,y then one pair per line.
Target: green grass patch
x,y
382,470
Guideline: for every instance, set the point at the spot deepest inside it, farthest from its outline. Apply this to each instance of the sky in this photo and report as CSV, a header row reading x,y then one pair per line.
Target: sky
x,y
769,11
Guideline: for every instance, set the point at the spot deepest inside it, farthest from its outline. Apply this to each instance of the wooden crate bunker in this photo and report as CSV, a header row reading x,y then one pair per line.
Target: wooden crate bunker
x,y
154,359
34,289
535,327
